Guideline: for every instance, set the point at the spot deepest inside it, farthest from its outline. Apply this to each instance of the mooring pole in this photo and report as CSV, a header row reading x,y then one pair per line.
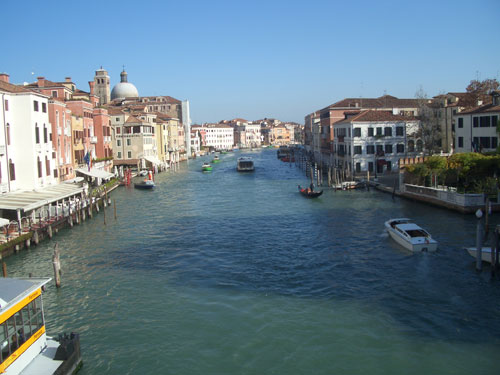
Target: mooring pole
x,y
479,240
56,264
114,204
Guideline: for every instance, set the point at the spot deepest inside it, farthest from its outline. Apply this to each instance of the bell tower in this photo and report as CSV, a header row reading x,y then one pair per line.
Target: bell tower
x,y
102,86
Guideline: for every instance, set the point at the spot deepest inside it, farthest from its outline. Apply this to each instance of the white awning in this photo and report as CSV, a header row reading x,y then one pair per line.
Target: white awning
x,y
30,200
4,222
153,160
98,173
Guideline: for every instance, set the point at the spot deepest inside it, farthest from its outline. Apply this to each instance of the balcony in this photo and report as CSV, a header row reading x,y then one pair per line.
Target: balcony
x,y
93,139
67,132
107,139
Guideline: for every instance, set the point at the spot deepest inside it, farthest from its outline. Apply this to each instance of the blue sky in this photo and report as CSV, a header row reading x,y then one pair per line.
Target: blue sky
x,y
256,59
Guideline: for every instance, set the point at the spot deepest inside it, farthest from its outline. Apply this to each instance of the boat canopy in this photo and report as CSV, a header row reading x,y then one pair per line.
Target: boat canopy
x,y
94,172
409,226
14,290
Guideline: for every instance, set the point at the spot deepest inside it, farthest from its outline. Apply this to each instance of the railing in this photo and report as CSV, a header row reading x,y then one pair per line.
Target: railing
x,y
447,195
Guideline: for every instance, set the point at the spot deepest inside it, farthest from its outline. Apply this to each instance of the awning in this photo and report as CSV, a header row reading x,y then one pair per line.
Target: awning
x,y
98,173
4,222
30,200
153,160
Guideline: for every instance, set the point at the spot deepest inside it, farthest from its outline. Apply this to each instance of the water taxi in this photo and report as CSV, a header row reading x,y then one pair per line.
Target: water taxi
x,y
25,347
146,184
245,164
206,167
410,235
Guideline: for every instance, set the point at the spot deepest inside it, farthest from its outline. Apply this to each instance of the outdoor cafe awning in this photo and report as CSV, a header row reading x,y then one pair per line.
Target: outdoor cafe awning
x,y
93,172
153,160
31,200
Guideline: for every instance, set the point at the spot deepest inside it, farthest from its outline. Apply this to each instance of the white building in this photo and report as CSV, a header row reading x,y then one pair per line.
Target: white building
x,y
218,136
374,141
26,152
476,129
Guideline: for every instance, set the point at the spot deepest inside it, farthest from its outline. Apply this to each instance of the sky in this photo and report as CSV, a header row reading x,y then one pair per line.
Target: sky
x,y
256,59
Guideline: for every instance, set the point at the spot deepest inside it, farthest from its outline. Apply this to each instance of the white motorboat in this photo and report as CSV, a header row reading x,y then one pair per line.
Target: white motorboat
x,y
410,235
245,164
485,253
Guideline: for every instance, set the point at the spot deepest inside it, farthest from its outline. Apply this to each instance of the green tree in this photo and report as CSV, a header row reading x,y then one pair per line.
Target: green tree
x,y
430,127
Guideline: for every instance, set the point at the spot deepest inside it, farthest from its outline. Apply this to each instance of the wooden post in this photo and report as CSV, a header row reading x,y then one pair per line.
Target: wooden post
x,y
486,217
104,214
494,242
114,204
479,241
49,231
56,264
35,237
4,269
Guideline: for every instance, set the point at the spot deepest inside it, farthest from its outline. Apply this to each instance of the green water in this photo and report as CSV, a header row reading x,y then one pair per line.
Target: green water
x,y
229,273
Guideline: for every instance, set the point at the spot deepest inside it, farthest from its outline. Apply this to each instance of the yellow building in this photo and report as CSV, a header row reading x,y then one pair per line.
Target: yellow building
x,y
77,140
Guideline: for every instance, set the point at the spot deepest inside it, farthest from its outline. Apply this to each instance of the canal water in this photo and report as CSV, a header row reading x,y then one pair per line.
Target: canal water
x,y
231,273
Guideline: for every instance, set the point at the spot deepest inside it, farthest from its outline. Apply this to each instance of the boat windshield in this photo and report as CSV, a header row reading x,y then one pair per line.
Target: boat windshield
x,y
417,233
246,164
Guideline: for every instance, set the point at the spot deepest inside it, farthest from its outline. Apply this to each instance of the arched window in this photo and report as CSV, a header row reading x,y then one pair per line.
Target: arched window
x,y
420,145
12,170
39,165
8,134
37,133
47,166
411,146
44,133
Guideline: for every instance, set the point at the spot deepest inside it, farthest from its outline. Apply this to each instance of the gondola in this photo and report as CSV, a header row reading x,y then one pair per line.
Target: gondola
x,y
310,194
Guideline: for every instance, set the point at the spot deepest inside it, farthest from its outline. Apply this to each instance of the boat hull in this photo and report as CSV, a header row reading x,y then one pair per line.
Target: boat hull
x,y
485,253
414,244
310,194
144,186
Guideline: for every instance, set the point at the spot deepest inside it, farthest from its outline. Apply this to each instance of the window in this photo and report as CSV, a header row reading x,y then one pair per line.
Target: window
x,y
357,150
400,148
370,149
370,166
380,150
44,107
119,155
485,142
8,134
494,142
12,170
39,166
6,105
484,121
411,145
399,130
388,131
389,165
47,166
118,142
379,131
118,130
370,132
388,149
35,105
37,133
475,122
494,121
44,133
54,94
461,122
358,167
129,154
129,142
357,132
420,145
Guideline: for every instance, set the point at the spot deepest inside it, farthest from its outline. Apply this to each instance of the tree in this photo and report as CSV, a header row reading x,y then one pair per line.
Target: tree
x,y
480,89
429,116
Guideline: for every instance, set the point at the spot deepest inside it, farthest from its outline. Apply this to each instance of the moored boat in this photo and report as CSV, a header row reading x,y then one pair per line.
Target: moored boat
x,y
206,167
146,184
25,347
410,235
485,253
309,193
245,164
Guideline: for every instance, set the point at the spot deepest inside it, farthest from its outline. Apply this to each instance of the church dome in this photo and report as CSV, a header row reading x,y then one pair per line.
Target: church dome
x,y
124,89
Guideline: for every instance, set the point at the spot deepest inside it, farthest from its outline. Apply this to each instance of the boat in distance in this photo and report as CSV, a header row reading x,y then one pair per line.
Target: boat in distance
x,y
216,159
410,235
25,348
245,164
485,253
206,167
309,193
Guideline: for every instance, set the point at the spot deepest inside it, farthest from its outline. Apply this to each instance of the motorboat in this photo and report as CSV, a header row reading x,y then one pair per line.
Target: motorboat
x,y
410,235
216,159
146,184
485,253
206,167
143,173
309,193
25,347
245,164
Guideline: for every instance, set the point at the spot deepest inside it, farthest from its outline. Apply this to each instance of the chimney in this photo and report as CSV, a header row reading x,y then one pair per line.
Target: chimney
x,y
4,77
68,79
91,85
41,81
